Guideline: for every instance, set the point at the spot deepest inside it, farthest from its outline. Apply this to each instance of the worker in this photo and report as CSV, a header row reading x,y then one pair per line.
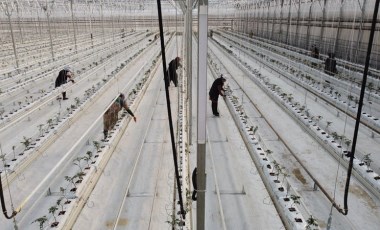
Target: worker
x,y
64,76
111,116
172,72
216,90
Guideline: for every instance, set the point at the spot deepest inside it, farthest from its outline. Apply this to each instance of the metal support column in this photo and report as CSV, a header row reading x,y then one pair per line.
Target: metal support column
x,y
297,42
189,63
323,24
336,43
267,20
288,26
8,13
202,100
72,21
360,34
308,28
281,14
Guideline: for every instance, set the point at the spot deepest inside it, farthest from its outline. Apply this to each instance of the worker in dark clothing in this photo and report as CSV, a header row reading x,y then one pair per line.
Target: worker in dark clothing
x,y
314,52
64,76
111,116
330,65
194,180
216,90
172,72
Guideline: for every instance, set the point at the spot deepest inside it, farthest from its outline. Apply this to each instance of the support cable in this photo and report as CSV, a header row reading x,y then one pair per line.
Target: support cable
x,y
349,171
166,78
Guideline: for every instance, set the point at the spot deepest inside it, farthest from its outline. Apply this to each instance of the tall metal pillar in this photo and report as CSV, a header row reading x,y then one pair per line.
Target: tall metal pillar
x,y
308,28
288,26
336,43
72,21
202,100
273,21
268,34
360,34
282,4
323,24
8,13
189,63
298,24
47,10
257,7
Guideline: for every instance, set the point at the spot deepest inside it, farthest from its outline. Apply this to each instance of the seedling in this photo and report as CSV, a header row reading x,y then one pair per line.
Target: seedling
x,y
41,130
96,145
60,203
367,160
26,142
52,211
88,158
41,221
347,142
328,124
311,222
77,101
295,199
77,162
14,153
49,123
71,180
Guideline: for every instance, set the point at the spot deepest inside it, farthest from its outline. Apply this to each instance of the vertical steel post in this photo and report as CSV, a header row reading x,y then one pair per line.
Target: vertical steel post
x,y
72,21
9,14
308,28
360,34
202,103
323,25
297,42
288,26
189,63
336,43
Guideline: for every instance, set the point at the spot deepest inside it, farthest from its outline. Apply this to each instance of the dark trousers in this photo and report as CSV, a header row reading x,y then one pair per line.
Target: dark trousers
x,y
214,107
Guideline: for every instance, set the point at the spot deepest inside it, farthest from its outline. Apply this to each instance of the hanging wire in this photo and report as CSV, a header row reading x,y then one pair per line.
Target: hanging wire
x,y
183,212
5,212
349,171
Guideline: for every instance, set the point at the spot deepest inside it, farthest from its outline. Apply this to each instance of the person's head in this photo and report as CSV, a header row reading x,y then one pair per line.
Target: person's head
x,y
223,79
69,71
122,96
178,59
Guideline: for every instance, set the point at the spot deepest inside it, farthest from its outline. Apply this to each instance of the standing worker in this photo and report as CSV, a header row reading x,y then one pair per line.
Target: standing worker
x,y
314,51
64,76
216,90
330,65
172,71
111,116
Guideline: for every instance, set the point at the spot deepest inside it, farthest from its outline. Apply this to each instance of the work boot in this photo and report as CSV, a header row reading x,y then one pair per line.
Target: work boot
x,y
64,96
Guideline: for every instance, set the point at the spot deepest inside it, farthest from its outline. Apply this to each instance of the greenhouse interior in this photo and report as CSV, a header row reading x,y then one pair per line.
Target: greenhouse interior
x,y
190,114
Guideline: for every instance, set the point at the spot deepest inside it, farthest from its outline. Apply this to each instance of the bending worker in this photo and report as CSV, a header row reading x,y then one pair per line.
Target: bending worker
x,y
216,90
111,116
